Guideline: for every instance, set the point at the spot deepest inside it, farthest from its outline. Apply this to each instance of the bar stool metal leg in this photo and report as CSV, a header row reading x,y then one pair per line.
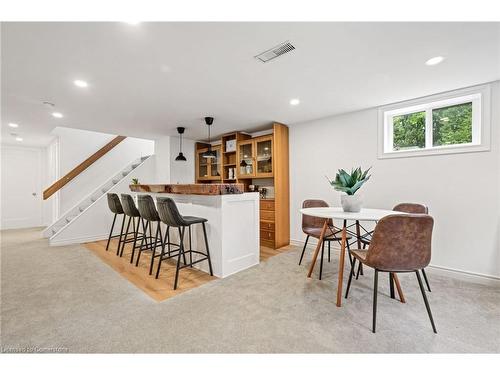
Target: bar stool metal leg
x,y
139,220
208,251
121,233
190,248
125,238
111,231
181,251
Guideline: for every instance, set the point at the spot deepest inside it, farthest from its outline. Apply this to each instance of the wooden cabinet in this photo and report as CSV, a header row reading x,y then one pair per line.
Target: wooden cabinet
x,y
208,169
263,157
255,157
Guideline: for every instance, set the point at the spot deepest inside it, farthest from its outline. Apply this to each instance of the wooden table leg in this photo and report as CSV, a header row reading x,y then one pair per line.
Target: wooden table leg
x,y
398,288
318,247
341,266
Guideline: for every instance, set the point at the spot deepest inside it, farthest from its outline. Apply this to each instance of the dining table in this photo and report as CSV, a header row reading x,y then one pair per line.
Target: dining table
x,y
349,219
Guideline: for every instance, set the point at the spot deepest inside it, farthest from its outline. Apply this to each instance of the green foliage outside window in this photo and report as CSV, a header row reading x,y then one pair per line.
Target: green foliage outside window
x,y
409,131
452,125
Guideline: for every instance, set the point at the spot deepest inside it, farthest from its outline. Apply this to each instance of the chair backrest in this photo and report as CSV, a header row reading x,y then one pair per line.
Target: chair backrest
x,y
169,214
411,208
114,203
128,205
147,208
401,242
312,221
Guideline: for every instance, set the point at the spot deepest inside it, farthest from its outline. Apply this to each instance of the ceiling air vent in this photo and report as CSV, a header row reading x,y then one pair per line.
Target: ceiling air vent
x,y
276,51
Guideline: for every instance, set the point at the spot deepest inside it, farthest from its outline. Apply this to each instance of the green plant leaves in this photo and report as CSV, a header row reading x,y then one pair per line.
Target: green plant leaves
x,y
349,183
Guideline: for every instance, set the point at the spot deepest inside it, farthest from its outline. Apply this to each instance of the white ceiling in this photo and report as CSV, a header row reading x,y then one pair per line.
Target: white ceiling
x,y
146,80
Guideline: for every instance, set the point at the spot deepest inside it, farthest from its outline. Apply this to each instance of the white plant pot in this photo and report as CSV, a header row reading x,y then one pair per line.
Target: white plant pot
x,y
351,203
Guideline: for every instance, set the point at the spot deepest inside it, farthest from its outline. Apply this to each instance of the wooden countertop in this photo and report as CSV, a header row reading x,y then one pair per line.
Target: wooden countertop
x,y
197,189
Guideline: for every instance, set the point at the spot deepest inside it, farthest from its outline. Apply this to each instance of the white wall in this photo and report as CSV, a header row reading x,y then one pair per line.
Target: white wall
x,y
76,145
461,190
167,169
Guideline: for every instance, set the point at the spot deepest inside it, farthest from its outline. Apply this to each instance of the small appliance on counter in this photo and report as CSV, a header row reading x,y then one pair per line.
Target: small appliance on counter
x,y
266,192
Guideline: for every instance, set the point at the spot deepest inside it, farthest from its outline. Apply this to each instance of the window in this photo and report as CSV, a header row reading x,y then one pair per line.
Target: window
x,y
444,123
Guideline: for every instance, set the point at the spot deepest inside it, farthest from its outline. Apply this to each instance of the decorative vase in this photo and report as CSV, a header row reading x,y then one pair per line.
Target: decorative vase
x,y
351,203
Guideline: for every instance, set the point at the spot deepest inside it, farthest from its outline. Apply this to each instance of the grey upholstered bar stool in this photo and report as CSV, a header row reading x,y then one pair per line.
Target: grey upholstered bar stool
x,y
131,211
115,207
149,216
169,214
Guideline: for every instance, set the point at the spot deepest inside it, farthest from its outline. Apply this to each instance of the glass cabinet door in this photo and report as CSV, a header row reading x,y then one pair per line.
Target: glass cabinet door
x,y
264,156
215,164
202,165
246,167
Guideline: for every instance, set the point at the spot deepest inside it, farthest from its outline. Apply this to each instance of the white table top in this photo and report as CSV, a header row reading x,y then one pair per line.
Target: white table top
x,y
366,214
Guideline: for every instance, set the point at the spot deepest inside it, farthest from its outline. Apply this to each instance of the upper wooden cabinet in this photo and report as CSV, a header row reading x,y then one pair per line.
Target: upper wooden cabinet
x,y
208,169
255,157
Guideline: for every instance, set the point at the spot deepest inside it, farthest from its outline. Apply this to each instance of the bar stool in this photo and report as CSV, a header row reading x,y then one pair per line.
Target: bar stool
x,y
116,207
149,215
132,212
169,214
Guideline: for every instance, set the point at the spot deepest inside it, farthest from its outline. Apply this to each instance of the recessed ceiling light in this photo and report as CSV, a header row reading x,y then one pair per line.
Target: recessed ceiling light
x,y
80,83
57,114
19,139
294,102
434,60
12,125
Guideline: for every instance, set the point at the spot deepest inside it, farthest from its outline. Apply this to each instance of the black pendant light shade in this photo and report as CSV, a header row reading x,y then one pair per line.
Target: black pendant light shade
x,y
181,156
209,154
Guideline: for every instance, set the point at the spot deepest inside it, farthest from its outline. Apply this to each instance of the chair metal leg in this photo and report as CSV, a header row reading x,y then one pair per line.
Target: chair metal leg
x,y
190,248
426,281
329,251
181,239
135,239
153,250
425,301
391,285
111,231
145,233
321,262
359,270
303,250
208,251
121,234
353,265
162,249
120,251
181,250
375,291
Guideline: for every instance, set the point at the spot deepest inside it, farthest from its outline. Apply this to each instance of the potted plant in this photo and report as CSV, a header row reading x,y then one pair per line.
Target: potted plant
x,y
135,181
350,184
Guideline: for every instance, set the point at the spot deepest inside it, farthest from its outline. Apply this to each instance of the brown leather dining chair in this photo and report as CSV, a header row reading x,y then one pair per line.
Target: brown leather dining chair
x,y
400,243
312,227
410,208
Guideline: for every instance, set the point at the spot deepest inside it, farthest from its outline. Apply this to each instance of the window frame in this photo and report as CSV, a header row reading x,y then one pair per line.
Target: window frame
x,y
480,98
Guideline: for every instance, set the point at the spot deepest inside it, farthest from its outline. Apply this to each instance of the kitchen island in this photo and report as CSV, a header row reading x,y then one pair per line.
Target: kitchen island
x,y
232,227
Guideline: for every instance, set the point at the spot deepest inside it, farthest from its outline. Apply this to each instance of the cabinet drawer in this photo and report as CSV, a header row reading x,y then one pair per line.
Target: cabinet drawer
x,y
267,236
267,243
266,225
267,205
267,215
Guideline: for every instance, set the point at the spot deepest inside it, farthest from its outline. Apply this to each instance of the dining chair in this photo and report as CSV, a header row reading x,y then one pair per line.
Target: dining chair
x,y
410,208
312,226
400,243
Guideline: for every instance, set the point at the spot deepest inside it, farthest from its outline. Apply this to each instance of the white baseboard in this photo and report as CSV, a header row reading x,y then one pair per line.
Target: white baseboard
x,y
73,241
443,270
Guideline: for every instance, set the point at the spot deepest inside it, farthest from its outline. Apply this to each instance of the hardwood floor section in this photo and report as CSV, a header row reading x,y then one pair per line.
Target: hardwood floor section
x,y
267,252
159,289
162,288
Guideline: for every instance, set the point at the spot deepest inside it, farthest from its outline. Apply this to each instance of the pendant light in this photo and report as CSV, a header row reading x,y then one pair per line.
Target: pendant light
x,y
181,156
209,154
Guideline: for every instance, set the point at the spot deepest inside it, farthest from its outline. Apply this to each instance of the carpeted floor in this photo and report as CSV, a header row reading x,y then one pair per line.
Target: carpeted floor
x,y
67,298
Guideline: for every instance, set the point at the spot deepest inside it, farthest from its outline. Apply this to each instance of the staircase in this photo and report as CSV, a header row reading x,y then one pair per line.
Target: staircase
x,y
86,204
